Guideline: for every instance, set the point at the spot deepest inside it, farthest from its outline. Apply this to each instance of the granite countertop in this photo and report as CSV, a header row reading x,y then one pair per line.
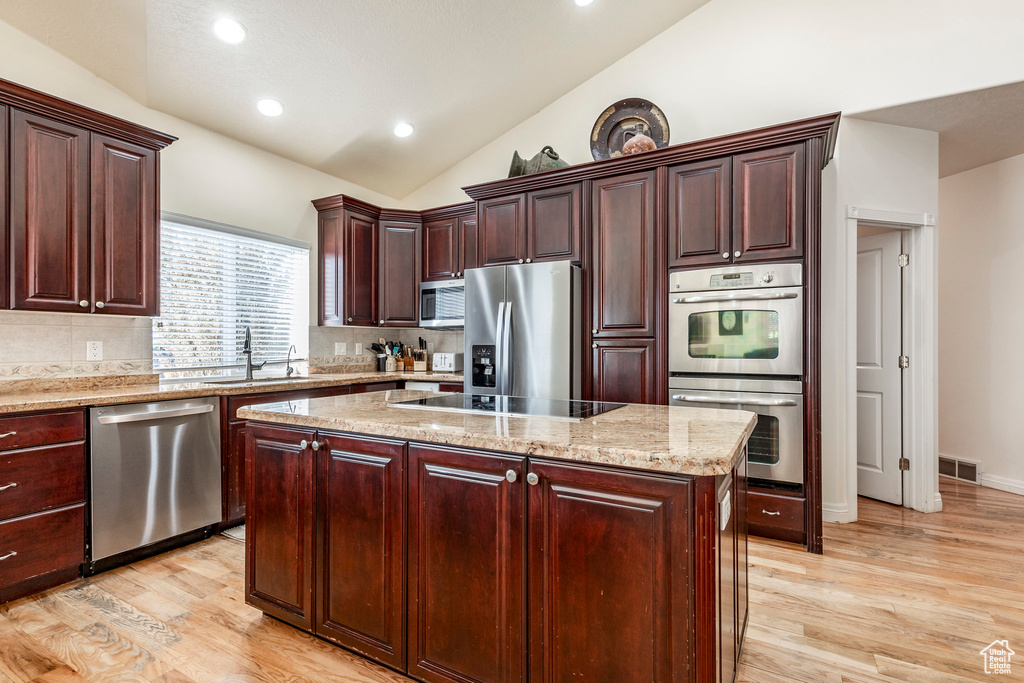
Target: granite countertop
x,y
25,398
679,440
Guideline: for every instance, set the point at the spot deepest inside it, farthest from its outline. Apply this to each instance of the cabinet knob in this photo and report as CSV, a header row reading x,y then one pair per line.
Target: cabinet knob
x,y
350,318
737,253
83,303
520,260
458,274
303,444
528,260
316,445
595,345
100,304
594,331
381,322
725,255
511,476
532,479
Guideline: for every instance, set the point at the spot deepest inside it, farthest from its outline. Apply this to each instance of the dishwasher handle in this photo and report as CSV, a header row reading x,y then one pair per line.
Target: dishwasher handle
x,y
154,415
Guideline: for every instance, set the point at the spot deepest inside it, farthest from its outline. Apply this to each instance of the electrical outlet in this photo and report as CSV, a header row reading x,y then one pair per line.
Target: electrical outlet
x,y
340,348
94,350
359,349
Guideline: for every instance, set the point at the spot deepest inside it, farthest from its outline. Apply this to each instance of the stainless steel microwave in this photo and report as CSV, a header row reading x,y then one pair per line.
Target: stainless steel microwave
x,y
443,303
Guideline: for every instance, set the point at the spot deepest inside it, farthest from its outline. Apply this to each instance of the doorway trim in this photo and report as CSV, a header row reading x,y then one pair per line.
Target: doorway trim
x,y
920,343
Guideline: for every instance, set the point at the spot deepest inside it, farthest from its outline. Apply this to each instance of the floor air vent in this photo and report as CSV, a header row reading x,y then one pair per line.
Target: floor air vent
x,y
965,470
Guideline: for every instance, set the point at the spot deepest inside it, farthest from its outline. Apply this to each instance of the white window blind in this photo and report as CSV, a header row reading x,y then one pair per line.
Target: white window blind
x,y
214,283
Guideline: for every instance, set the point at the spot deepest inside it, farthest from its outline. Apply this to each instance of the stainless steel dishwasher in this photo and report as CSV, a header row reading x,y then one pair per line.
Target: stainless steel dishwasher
x,y
155,473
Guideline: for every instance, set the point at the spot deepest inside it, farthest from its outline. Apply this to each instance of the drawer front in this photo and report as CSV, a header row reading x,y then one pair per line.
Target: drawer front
x,y
236,402
25,431
38,479
41,543
773,516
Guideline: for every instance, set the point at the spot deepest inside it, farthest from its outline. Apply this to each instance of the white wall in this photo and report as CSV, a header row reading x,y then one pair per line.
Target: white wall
x,y
203,174
740,64
981,328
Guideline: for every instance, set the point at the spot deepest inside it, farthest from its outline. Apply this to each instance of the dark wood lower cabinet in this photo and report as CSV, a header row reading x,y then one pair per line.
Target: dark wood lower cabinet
x,y
279,523
466,575
624,370
360,581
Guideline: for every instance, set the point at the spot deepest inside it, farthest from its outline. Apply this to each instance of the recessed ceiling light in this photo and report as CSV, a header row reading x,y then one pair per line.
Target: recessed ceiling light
x,y
270,107
404,130
229,30
583,3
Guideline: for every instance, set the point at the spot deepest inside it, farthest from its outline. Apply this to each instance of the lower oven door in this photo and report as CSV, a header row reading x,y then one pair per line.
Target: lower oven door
x,y
776,448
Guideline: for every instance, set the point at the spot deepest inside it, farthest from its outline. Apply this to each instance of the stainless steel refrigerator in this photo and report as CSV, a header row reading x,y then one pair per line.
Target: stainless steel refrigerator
x,y
522,330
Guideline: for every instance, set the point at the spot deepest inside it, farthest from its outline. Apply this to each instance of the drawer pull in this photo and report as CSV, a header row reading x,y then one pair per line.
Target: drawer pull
x,y
8,486
8,555
773,514
7,434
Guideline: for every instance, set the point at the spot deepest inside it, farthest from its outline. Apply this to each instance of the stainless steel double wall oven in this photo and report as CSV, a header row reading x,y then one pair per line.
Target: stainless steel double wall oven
x,y
736,341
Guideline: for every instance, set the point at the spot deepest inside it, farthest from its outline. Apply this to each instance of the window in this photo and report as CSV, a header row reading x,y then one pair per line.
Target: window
x,y
214,281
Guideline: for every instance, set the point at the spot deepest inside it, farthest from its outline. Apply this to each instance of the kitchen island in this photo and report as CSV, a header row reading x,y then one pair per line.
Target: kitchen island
x,y
468,547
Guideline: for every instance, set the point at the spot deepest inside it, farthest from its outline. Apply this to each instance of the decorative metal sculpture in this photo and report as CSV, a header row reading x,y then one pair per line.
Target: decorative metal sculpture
x,y
545,160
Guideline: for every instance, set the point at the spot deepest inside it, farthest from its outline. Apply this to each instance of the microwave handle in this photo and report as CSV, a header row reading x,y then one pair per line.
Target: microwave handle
x,y
756,296
767,402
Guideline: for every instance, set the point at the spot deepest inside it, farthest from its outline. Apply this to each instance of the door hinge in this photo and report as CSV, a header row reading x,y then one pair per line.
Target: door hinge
x,y
904,362
904,464
904,260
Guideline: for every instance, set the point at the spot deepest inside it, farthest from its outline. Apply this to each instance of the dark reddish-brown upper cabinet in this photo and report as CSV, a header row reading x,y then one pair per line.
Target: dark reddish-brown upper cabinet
x,y
49,214
124,228
468,242
553,223
361,554
360,257
699,205
623,267
624,370
280,522
466,566
5,234
348,241
399,267
332,312
502,230
440,249
609,567
768,204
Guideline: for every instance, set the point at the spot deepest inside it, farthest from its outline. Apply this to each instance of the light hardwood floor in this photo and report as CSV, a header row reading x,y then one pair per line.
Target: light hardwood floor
x,y
899,596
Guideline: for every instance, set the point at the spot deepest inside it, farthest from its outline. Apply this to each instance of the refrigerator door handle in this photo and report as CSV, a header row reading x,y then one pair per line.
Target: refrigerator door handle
x,y
506,354
499,338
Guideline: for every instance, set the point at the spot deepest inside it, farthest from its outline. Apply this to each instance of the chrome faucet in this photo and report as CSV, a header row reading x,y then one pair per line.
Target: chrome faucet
x,y
290,370
247,350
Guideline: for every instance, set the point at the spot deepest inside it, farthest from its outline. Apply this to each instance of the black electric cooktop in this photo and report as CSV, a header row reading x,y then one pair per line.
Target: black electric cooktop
x,y
515,406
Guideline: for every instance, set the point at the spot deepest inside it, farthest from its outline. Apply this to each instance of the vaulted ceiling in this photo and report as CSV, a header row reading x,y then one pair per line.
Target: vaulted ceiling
x,y
462,71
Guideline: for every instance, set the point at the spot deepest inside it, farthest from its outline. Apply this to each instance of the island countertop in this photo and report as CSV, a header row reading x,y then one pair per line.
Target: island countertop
x,y
678,440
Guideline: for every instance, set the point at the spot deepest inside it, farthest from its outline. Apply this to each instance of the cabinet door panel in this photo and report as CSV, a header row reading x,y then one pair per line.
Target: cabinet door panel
x,y
331,267
466,580
699,203
124,220
5,233
553,224
234,474
768,204
399,273
727,585
361,580
624,255
609,576
501,232
624,371
440,245
279,523
360,264
49,214
468,238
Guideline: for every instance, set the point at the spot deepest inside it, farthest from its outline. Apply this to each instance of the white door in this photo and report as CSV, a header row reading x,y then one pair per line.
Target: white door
x,y
879,377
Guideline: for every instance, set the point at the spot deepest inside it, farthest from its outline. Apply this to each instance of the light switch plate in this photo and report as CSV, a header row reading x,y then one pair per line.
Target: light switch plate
x,y
94,350
340,348
359,349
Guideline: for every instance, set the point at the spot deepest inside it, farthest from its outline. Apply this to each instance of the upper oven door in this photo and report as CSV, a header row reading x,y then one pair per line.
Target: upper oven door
x,y
754,332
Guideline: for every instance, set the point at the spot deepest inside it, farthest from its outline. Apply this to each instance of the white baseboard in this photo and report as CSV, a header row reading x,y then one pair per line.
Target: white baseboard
x,y
840,514
1002,483
938,502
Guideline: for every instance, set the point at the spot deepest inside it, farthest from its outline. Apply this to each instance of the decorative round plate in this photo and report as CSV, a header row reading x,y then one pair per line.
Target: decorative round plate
x,y
618,123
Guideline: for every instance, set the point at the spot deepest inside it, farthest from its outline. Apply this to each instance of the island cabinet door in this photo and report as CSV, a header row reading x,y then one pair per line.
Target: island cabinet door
x,y
466,566
279,523
610,591
361,549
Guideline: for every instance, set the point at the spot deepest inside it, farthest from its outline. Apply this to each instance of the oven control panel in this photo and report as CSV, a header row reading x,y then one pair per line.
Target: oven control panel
x,y
730,280
753,276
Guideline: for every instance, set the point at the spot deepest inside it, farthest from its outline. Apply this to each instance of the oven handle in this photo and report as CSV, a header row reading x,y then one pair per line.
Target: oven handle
x,y
769,402
757,296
